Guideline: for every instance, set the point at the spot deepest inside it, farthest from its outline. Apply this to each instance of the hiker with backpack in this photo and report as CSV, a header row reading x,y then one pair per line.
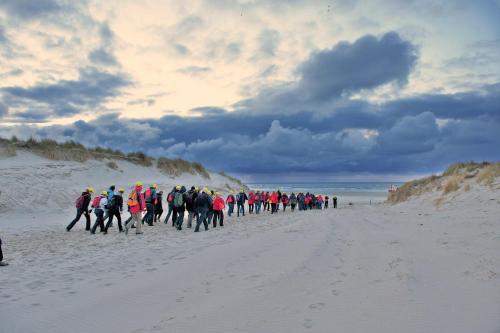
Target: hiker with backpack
x,y
284,201
241,198
115,207
180,205
170,202
267,201
230,201
210,214
293,201
203,202
100,209
190,205
218,208
334,202
150,198
158,206
82,208
136,206
251,202
257,201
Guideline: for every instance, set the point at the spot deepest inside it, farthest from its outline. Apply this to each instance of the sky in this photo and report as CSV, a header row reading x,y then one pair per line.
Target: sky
x,y
262,89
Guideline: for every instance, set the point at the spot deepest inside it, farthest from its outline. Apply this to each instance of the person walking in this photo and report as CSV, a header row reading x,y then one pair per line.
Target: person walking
x,y
180,205
284,201
190,205
99,204
158,206
170,202
293,201
203,202
230,200
334,202
82,208
115,207
327,198
218,207
274,202
267,201
150,199
258,202
241,198
136,206
251,202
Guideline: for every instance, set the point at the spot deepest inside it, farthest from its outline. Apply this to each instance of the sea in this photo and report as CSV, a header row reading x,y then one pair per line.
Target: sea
x,y
346,192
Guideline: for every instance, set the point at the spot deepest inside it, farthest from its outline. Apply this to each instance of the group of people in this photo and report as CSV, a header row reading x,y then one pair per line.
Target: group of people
x,y
203,206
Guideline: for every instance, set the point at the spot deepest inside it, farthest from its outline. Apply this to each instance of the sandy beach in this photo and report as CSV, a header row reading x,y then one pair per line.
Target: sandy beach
x,y
410,267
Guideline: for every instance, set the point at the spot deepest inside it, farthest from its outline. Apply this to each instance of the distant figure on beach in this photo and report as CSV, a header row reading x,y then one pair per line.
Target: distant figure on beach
x,y
241,198
82,208
334,202
327,198
2,263
230,201
258,202
293,201
251,202
218,207
284,201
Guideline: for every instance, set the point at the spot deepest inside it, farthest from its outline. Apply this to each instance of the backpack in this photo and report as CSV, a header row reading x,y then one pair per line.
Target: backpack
x,y
241,198
189,198
178,199
112,203
230,199
170,197
79,201
132,199
96,202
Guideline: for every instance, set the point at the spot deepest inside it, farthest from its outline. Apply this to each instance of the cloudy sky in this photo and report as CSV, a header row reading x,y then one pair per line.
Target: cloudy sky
x,y
264,89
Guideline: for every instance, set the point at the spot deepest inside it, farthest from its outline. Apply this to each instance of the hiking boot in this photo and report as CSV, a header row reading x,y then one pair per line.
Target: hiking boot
x,y
139,233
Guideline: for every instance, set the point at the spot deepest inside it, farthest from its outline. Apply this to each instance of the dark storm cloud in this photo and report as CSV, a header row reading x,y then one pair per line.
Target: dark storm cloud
x,y
333,74
67,97
365,64
29,9
102,57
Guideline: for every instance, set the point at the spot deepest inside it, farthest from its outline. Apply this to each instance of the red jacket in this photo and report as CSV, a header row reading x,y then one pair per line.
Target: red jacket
x,y
218,203
230,199
139,204
274,198
284,200
251,198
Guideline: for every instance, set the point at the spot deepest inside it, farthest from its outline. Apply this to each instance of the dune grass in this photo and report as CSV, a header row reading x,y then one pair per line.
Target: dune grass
x,y
73,151
450,181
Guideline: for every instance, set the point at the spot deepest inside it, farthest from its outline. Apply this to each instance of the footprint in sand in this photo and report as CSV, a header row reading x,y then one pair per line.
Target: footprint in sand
x,y
317,306
308,323
180,299
151,269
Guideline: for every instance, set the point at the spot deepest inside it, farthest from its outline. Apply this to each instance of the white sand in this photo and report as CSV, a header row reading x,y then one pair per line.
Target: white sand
x,y
404,268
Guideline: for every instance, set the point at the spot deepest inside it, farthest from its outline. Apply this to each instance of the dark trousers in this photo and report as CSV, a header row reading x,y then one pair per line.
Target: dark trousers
x,y
110,221
293,207
180,217
241,207
273,208
158,212
1,253
250,208
334,203
150,212
210,216
79,213
175,212
99,221
231,208
326,204
170,210
218,215
202,218
284,207
258,204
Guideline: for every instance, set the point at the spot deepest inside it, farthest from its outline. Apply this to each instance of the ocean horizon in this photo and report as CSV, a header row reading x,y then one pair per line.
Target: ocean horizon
x,y
354,191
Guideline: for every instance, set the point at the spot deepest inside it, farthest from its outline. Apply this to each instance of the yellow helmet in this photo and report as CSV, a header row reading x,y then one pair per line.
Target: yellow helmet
x,y
154,186
138,183
104,193
217,193
90,189
196,188
178,187
121,190
205,189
